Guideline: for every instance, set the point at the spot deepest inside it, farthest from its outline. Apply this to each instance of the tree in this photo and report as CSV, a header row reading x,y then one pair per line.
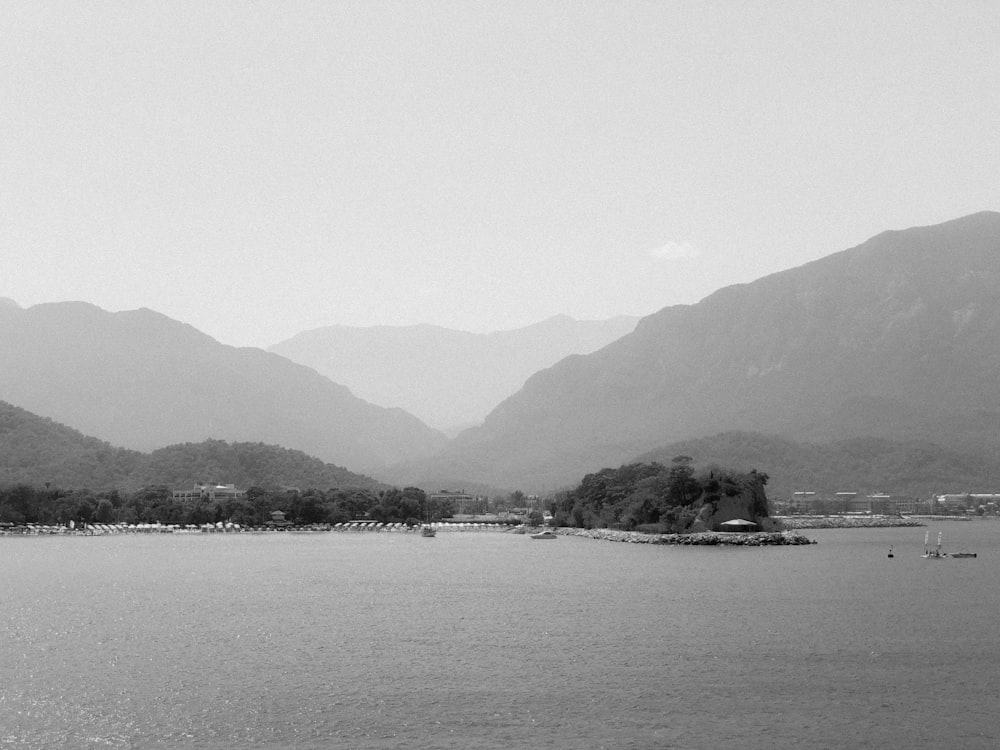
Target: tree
x,y
105,512
260,501
412,503
682,487
352,504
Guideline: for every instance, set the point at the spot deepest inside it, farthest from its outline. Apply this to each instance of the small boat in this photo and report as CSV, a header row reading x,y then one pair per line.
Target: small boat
x,y
963,554
427,530
933,554
890,552
544,535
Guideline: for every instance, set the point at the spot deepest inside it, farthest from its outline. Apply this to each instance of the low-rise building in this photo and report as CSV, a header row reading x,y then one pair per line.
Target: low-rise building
x,y
460,502
967,502
208,492
876,503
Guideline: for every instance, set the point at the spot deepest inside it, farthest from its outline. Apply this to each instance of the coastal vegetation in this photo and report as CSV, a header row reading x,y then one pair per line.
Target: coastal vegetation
x,y
24,504
659,498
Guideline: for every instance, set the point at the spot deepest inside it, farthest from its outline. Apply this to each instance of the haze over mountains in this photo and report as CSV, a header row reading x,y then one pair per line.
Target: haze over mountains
x,y
897,338
449,379
140,380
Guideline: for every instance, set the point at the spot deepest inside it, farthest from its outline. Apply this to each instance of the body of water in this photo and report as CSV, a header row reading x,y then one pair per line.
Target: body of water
x,y
493,640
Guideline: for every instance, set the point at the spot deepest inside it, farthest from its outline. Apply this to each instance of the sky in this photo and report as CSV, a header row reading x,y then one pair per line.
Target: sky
x,y
256,169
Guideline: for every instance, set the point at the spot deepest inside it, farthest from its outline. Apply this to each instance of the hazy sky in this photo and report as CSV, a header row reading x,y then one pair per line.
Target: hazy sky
x,y
256,169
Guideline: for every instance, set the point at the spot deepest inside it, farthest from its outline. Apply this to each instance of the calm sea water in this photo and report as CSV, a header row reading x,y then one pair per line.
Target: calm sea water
x,y
492,640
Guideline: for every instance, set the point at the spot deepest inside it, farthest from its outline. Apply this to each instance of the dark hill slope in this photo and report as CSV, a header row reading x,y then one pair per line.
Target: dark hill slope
x,y
898,338
36,451
142,380
245,465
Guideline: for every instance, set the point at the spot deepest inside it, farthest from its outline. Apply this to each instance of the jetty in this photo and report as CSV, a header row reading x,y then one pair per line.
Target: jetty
x,y
703,538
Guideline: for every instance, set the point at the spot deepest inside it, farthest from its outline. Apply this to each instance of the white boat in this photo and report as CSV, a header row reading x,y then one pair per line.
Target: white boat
x,y
544,535
932,554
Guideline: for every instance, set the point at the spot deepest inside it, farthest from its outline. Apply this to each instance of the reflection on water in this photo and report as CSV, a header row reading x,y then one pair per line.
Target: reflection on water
x,y
494,641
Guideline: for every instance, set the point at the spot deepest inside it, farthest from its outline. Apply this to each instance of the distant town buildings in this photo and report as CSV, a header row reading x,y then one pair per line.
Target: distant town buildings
x,y
809,502
969,501
878,503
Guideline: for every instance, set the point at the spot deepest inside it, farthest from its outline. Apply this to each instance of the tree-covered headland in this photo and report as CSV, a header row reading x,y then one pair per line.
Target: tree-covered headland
x,y
661,498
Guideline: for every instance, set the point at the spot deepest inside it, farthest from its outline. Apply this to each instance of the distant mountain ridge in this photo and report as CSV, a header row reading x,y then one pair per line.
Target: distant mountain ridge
x,y
36,451
141,380
898,338
445,377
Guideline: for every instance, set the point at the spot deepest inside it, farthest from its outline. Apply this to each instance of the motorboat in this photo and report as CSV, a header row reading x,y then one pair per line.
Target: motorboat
x,y
427,530
544,535
963,554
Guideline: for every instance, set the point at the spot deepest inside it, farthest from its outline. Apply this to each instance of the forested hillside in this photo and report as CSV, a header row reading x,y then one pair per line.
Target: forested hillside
x,y
51,474
242,464
39,452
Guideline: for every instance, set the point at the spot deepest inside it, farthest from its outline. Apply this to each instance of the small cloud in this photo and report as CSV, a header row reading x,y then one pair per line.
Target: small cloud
x,y
675,251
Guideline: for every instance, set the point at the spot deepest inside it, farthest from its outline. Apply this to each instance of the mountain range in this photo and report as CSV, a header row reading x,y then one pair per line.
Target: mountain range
x,y
449,379
140,380
898,338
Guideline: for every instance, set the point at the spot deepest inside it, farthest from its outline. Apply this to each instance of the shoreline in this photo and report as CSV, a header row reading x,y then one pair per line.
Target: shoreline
x,y
703,538
353,527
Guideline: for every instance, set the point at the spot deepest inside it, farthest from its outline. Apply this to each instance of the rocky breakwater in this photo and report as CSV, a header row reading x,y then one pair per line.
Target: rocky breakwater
x,y
703,538
846,522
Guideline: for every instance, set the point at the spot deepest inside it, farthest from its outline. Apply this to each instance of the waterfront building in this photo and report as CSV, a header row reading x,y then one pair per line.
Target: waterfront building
x,y
964,502
877,503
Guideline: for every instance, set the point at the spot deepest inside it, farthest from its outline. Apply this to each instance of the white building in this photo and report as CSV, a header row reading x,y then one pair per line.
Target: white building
x,y
208,492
